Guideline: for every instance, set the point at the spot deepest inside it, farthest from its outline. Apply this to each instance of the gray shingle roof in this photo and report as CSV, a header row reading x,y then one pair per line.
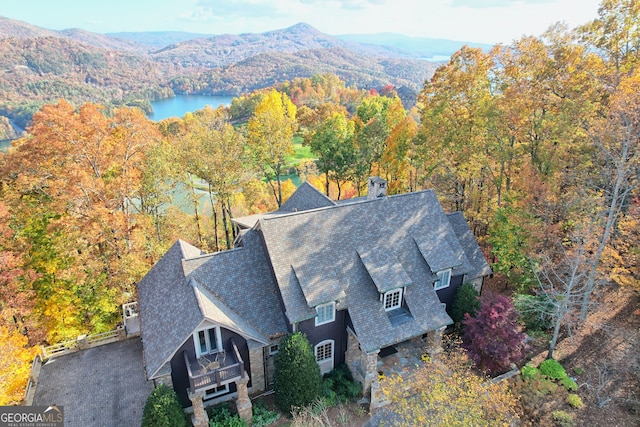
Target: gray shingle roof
x,y
242,279
478,263
385,269
168,309
327,240
234,288
304,198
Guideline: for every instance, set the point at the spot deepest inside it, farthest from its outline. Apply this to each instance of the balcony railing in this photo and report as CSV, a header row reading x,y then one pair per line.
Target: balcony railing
x,y
209,373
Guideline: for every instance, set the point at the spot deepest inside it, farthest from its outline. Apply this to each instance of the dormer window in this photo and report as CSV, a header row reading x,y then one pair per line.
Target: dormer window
x,y
392,299
444,277
326,313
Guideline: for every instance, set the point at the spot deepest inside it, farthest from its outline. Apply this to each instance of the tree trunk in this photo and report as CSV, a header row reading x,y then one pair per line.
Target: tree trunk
x,y
214,214
225,224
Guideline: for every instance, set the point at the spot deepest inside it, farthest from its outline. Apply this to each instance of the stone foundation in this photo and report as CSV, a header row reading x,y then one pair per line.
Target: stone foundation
x,y
363,366
164,380
199,418
243,403
256,361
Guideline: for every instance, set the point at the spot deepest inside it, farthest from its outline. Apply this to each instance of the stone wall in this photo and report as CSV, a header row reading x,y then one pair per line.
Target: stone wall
x,y
256,361
363,366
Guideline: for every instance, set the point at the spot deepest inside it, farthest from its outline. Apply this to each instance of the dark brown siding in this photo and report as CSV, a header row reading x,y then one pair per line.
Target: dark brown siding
x,y
335,331
179,373
447,295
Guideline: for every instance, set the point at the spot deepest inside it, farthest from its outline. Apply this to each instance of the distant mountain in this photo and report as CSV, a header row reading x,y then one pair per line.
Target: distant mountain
x,y
267,69
417,47
157,39
40,65
221,50
104,41
22,30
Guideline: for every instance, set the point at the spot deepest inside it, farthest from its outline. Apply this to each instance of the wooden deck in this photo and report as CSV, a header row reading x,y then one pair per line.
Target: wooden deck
x,y
214,370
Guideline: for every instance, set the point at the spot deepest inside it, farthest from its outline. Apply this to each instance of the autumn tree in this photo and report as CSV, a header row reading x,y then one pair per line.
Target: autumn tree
x,y
492,335
445,391
74,184
214,151
561,278
333,142
270,138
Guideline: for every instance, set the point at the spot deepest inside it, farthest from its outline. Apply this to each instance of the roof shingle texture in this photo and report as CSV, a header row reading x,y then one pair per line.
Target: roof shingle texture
x,y
326,242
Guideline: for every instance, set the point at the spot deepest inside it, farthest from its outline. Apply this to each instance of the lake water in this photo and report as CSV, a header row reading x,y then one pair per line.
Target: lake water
x,y
179,105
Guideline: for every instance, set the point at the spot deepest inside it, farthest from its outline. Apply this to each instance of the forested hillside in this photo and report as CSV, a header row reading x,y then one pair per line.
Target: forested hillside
x,y
40,66
536,143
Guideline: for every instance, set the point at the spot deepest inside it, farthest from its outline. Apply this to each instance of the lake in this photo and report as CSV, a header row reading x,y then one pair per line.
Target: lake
x,y
179,105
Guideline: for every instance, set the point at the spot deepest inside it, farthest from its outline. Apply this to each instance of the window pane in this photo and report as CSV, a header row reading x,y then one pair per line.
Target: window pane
x,y
202,341
212,339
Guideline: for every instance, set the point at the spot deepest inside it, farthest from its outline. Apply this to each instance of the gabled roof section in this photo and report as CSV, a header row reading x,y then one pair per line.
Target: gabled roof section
x,y
318,285
328,240
168,309
188,250
306,197
216,311
242,281
385,269
437,252
477,261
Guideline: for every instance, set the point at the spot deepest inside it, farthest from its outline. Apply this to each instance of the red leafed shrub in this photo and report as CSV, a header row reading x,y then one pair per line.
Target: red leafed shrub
x,y
493,337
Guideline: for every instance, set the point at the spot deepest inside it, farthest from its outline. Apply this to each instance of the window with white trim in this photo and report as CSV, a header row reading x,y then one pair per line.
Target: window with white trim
x,y
392,299
444,277
324,355
207,341
273,349
326,313
210,393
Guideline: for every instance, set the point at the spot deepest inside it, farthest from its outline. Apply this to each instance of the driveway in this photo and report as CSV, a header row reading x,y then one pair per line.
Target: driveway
x,y
101,386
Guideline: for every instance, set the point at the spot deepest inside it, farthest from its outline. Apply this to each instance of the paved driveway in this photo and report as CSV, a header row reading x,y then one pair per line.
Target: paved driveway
x,y
101,386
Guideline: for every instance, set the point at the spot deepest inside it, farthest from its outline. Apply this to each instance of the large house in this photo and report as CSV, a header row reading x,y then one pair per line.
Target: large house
x,y
357,277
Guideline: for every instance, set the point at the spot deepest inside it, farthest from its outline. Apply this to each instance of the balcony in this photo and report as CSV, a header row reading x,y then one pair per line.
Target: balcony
x,y
214,370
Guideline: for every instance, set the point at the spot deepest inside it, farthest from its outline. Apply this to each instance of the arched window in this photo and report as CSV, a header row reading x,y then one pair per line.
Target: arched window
x,y
324,355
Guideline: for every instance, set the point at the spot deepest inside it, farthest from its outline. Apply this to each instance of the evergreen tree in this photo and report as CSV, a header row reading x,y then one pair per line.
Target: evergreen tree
x,y
297,380
163,409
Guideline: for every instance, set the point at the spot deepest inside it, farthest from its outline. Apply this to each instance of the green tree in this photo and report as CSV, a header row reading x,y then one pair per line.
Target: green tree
x,y
333,143
297,380
162,409
270,137
465,301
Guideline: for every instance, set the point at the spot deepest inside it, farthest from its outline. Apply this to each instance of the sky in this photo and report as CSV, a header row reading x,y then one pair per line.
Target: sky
x,y
481,21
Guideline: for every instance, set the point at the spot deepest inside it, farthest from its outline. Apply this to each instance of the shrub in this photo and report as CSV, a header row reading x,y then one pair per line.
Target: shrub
x,y
575,401
529,372
220,416
339,386
569,384
162,409
297,380
263,416
564,419
493,337
552,369
534,311
465,301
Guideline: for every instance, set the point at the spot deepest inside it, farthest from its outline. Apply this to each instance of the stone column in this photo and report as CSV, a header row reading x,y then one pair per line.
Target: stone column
x,y
243,403
434,341
199,418
82,341
370,361
256,360
353,356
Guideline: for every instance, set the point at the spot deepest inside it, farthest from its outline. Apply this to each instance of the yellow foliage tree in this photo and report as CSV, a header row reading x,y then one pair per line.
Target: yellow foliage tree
x,y
446,392
15,362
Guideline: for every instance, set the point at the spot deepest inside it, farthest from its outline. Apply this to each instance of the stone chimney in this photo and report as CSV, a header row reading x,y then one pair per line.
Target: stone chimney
x,y
377,187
